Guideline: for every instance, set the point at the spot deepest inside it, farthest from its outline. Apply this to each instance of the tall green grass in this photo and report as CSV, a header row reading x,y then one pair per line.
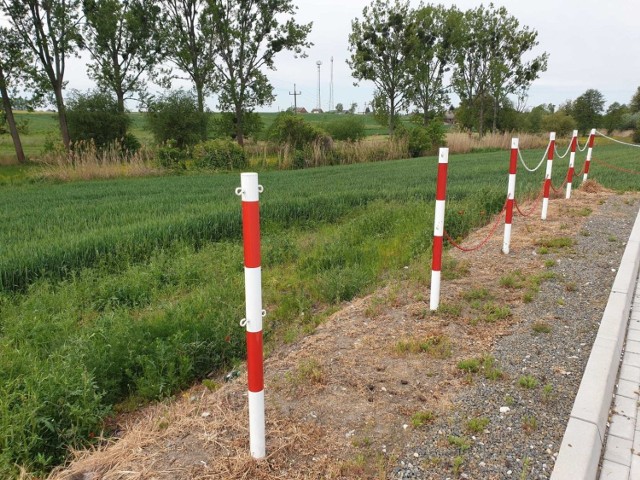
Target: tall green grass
x,y
118,292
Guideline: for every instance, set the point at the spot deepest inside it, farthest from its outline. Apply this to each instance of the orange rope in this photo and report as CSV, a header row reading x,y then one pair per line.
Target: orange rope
x,y
483,242
533,207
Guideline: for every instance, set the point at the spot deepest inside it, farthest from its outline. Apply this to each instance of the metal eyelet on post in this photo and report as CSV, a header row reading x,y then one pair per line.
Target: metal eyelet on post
x,y
239,191
260,189
264,313
243,322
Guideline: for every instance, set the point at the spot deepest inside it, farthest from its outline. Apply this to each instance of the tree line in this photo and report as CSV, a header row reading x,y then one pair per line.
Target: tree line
x,y
417,57
221,46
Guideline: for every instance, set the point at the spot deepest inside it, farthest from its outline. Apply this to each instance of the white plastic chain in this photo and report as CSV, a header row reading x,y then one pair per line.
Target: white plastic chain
x,y
565,153
541,161
586,144
618,141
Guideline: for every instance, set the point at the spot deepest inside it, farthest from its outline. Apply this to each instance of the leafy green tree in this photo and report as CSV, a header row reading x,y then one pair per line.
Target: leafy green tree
x,y
249,34
508,73
346,127
125,42
437,32
51,30
339,108
634,104
96,116
190,45
587,109
558,122
13,60
489,61
176,118
613,119
289,128
381,46
224,125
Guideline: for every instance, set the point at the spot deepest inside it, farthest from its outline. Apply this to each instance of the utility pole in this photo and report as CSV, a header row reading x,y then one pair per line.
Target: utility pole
x,y
319,106
295,98
331,108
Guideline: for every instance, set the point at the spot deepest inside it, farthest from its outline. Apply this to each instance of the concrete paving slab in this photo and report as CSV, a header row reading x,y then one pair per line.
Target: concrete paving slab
x,y
633,336
631,359
627,389
618,450
622,426
625,406
614,471
632,374
634,472
631,346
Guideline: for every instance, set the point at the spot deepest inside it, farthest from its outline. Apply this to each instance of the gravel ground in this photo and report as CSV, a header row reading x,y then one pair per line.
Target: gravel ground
x,y
525,425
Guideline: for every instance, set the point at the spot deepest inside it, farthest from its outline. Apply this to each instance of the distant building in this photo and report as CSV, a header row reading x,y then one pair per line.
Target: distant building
x,y
301,110
450,116
317,110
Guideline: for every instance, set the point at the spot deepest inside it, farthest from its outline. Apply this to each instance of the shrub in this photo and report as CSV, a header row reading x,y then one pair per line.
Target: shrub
x,y
220,153
636,133
423,140
224,125
558,122
346,127
294,130
169,156
175,117
95,117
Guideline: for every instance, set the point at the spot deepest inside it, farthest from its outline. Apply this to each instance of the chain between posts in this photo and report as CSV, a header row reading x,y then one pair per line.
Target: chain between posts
x,y
483,242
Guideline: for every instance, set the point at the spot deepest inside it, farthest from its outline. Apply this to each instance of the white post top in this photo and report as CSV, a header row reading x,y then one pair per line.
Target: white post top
x,y
443,155
514,143
552,136
593,131
575,133
250,187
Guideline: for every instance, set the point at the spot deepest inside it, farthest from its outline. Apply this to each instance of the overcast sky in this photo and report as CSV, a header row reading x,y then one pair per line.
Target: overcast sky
x,y
592,44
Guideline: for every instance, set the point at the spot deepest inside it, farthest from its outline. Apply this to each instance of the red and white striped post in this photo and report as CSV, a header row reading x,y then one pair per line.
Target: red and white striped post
x,y
572,161
438,228
250,192
547,176
587,162
511,194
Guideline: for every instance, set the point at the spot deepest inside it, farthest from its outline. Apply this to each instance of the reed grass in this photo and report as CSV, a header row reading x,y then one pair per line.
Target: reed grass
x,y
86,162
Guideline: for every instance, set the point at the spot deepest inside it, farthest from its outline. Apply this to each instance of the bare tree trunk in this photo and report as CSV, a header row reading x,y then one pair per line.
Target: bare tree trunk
x,y
15,135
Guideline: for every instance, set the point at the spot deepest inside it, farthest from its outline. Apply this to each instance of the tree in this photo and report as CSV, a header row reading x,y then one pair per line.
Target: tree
x,y
558,122
13,60
50,29
190,44
437,31
125,42
489,60
175,117
587,109
96,117
249,34
613,120
339,108
508,74
634,104
381,46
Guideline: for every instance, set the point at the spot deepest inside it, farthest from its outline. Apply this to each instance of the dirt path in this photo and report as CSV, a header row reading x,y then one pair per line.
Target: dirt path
x,y
354,399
